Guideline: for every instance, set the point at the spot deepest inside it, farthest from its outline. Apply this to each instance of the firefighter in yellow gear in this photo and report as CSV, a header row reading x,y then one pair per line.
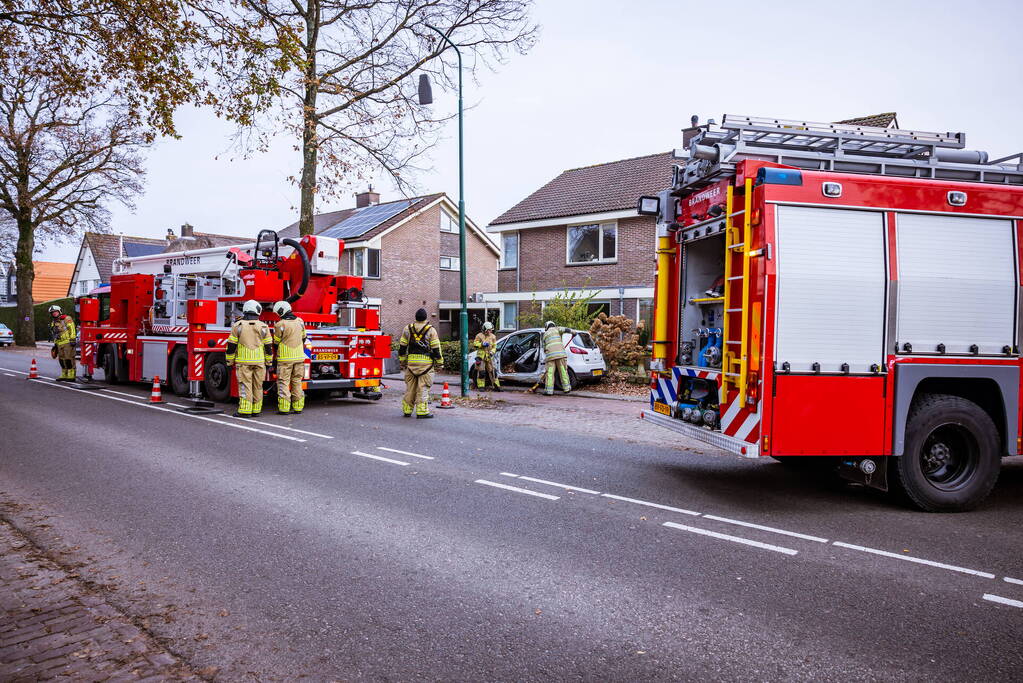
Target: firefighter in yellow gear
x,y
420,356
65,336
557,357
485,344
289,337
250,352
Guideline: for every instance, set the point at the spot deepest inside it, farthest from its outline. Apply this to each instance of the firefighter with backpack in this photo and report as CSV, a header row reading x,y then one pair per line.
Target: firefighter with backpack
x,y
420,356
64,335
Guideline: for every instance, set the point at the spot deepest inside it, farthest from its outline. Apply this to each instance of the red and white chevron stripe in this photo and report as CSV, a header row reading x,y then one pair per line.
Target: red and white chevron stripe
x,y
740,421
170,329
114,336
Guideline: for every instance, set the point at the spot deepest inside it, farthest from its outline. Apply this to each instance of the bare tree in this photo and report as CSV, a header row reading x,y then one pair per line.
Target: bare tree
x,y
350,95
63,160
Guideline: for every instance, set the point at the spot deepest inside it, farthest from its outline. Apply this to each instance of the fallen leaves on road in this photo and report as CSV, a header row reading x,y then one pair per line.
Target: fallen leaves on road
x,y
478,402
620,383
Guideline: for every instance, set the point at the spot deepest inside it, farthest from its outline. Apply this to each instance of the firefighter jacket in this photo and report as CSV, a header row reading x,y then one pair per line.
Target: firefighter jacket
x,y
553,347
419,344
63,330
249,343
485,352
289,336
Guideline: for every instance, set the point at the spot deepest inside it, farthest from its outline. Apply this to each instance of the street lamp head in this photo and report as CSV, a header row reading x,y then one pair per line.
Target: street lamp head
x,y
425,91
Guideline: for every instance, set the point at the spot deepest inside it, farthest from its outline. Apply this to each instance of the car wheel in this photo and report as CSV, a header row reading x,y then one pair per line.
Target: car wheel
x,y
573,380
109,365
217,381
952,456
178,373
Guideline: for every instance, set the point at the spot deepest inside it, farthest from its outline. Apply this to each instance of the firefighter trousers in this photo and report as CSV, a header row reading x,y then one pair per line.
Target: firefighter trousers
x,y
561,364
289,386
66,359
418,380
250,388
487,372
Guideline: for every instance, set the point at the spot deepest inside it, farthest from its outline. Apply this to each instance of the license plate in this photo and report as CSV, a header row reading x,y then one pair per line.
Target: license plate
x,y
662,408
328,356
597,373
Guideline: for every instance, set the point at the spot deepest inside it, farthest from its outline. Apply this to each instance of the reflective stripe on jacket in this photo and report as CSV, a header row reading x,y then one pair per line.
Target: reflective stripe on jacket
x,y
289,335
419,345
63,330
485,338
251,336
552,344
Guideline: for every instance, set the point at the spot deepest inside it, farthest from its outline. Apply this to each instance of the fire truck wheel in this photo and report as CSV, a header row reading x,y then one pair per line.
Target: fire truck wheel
x,y
217,382
109,365
178,373
951,458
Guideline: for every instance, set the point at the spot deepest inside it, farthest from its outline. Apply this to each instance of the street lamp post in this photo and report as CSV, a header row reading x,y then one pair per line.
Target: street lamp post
x,y
463,313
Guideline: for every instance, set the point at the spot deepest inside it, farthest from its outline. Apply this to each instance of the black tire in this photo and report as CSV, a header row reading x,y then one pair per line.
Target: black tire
x,y
108,362
177,374
952,455
573,381
217,378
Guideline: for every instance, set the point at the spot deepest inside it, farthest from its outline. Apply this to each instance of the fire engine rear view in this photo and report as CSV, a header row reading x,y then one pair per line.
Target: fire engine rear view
x,y
168,315
842,297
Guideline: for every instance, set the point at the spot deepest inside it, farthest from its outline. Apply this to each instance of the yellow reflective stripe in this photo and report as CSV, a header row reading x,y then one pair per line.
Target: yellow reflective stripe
x,y
232,338
290,353
418,358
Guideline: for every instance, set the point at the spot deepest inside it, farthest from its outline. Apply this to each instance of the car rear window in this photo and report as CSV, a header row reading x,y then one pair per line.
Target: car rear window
x,y
584,340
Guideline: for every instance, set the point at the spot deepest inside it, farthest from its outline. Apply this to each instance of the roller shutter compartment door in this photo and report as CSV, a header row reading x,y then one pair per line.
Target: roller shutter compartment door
x,y
831,289
957,283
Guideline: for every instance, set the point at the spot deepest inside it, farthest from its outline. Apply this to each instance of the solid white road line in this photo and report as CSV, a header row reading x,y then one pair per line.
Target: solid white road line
x,y
734,539
395,450
818,539
1004,601
15,371
552,483
173,412
379,457
9,374
1011,580
277,426
123,393
516,489
907,558
652,505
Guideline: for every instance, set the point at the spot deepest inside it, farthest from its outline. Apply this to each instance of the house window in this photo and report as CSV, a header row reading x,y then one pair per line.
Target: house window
x,y
449,263
595,308
509,315
366,263
510,250
596,243
448,223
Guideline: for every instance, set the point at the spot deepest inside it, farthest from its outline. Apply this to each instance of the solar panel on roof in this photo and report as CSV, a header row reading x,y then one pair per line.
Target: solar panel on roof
x,y
365,219
133,249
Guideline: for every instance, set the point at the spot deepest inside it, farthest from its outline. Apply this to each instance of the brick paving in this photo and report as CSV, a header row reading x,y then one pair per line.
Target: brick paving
x,y
53,627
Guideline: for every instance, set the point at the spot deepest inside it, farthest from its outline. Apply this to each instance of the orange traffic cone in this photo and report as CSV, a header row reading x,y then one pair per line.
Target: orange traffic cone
x,y
33,370
155,396
445,397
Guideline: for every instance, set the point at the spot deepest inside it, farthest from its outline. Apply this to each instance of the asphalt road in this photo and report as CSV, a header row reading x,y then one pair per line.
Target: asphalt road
x,y
350,543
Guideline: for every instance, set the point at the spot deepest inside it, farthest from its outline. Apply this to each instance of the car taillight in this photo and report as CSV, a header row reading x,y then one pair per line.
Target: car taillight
x,y
574,349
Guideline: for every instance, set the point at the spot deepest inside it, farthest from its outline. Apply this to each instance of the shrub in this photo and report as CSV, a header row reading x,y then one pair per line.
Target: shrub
x,y
566,309
618,341
9,316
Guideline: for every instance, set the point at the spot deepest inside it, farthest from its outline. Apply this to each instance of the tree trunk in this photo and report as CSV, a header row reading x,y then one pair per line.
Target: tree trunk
x,y
310,141
25,332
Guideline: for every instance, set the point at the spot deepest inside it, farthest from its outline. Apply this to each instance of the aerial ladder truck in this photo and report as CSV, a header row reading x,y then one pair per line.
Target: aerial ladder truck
x,y
842,295
169,315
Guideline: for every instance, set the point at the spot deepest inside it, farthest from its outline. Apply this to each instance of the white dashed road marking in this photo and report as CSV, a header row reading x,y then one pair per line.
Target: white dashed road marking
x,y
277,426
1015,581
733,539
395,450
1004,601
9,374
516,489
379,457
805,537
652,505
907,558
551,483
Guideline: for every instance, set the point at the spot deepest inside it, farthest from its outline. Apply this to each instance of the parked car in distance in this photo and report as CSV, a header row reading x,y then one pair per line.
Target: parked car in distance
x,y
6,336
521,358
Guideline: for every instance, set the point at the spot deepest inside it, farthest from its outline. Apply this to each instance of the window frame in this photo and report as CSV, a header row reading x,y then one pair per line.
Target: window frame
x,y
364,252
600,244
512,324
503,265
453,220
454,263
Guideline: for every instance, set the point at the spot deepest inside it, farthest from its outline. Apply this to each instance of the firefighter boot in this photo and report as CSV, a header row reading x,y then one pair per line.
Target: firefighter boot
x,y
71,372
244,408
257,407
297,405
423,411
406,409
283,405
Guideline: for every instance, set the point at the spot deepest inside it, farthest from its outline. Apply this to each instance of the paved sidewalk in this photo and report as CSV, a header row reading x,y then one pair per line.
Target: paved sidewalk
x,y
453,383
52,627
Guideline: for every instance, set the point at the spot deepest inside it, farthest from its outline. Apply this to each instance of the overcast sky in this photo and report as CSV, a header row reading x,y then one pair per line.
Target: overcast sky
x,y
615,79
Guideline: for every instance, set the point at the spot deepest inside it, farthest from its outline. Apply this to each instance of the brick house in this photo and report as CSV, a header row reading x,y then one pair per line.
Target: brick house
x,y
581,231
407,252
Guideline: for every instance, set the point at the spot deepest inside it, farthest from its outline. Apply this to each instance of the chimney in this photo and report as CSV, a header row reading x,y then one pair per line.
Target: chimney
x,y
186,230
170,235
364,199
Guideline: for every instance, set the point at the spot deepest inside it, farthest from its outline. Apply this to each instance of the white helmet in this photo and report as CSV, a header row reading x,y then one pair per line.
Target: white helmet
x,y
252,306
54,308
549,324
282,308
488,325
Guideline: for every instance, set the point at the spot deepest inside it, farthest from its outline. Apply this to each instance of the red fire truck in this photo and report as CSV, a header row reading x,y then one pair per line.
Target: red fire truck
x,y
843,291
168,315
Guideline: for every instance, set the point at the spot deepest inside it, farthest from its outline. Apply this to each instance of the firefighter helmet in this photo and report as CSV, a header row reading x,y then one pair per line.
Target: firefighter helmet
x,y
488,326
252,306
548,325
282,308
54,309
